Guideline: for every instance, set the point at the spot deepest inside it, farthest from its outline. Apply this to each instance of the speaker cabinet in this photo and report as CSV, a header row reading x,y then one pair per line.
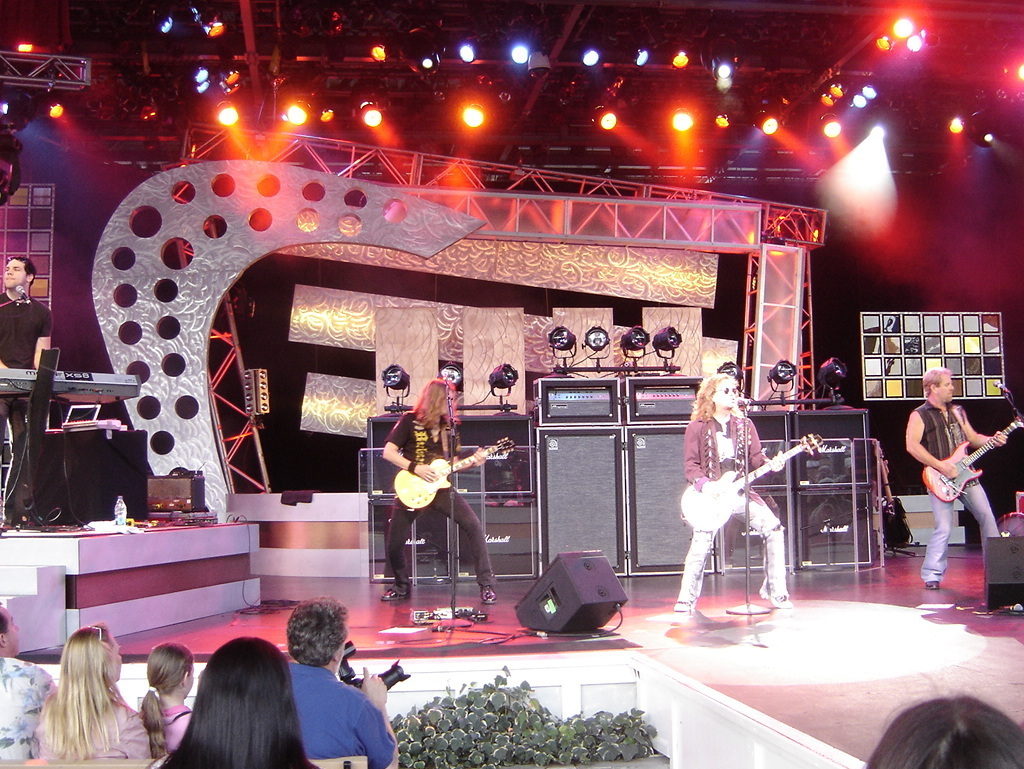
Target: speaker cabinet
x,y
654,464
835,528
581,491
83,473
577,593
846,455
1004,571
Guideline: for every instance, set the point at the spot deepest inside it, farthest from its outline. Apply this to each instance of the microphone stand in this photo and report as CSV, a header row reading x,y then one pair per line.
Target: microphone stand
x,y
747,608
453,535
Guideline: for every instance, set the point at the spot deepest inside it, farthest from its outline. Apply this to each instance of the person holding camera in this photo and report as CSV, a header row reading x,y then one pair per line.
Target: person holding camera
x,y
337,719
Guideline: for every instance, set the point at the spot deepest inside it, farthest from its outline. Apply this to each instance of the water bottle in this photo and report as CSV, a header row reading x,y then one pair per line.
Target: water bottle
x,y
120,512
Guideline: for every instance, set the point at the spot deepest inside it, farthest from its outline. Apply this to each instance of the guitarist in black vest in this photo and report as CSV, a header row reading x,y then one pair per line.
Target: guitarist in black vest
x,y
934,431
420,437
715,442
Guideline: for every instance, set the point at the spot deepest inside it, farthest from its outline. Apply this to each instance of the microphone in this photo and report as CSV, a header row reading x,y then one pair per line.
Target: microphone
x,y
1002,387
743,402
23,297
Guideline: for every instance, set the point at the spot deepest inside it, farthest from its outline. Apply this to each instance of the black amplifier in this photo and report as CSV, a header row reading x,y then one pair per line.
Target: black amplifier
x,y
568,400
666,398
184,493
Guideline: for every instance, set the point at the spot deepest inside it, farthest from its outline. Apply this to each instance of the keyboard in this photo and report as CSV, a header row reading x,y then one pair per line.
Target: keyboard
x,y
72,386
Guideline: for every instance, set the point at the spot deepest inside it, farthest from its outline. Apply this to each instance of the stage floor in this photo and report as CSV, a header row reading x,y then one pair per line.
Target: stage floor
x,y
858,646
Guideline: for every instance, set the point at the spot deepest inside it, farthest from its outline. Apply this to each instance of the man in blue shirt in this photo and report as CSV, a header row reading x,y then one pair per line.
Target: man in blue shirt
x,y
337,719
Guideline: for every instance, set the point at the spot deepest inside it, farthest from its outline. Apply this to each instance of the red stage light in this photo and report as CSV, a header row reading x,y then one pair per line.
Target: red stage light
x,y
607,120
956,125
682,120
56,110
227,114
378,52
770,125
473,115
680,60
371,114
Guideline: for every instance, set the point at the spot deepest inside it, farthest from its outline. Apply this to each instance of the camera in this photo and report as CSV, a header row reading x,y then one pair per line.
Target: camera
x,y
347,675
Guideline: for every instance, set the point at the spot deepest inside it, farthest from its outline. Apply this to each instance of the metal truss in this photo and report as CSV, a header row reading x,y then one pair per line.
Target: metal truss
x,y
794,224
240,447
45,70
777,319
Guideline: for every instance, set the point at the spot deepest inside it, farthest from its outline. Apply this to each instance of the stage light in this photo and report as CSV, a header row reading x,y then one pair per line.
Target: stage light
x,y
634,341
682,120
884,43
326,115
422,49
371,114
836,90
166,25
394,377
467,52
202,75
590,57
561,339
680,60
379,52
722,121
666,342
56,110
214,28
596,338
230,81
828,99
641,57
831,374
473,115
915,43
724,71
730,368
782,374
503,377
869,92
607,119
520,53
25,47
830,126
903,28
451,372
859,101
296,113
148,112
227,114
1020,71
538,63
956,125
769,125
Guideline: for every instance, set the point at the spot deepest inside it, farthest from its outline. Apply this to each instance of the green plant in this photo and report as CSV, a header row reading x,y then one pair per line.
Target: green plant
x,y
500,725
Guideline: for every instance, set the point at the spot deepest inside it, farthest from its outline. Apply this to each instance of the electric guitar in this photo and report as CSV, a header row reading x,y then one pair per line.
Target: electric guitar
x,y
415,492
948,489
717,501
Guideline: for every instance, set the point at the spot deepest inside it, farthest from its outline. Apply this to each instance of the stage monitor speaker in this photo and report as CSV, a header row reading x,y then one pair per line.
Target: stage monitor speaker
x,y
1004,572
577,593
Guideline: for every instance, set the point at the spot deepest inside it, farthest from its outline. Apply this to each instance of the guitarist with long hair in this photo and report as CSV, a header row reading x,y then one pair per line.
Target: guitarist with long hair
x,y
716,441
420,437
935,429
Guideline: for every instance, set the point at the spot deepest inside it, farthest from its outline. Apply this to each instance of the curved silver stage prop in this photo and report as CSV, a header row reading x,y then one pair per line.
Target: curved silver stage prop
x,y
177,243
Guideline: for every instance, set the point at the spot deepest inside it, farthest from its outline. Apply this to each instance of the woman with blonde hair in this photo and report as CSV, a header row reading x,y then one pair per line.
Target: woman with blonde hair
x,y
87,718
165,715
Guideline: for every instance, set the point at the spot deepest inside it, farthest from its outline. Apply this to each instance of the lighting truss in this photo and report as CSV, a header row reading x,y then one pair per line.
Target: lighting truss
x,y
45,70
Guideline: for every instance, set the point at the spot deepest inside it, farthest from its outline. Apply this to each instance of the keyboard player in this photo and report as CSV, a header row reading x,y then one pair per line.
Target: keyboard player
x,y
25,327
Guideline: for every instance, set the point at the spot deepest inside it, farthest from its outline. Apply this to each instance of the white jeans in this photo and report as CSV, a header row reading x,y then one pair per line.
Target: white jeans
x,y
762,521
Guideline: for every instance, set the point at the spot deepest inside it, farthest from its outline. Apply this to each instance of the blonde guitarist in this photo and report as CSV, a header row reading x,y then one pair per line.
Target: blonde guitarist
x,y
420,437
935,429
716,441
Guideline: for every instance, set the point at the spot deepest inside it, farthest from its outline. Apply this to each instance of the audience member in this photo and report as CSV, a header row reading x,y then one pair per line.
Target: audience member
x,y
169,671
87,718
950,733
244,715
337,719
24,688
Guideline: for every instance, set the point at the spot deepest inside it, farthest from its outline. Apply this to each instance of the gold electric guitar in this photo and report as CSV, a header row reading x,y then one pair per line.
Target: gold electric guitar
x,y
415,492
717,501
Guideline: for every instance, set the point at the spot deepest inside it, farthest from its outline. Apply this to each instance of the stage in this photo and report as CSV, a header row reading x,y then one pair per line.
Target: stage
x,y
859,646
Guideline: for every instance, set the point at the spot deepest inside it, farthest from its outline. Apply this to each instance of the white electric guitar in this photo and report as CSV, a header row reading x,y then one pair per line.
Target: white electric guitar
x,y
717,501
415,492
